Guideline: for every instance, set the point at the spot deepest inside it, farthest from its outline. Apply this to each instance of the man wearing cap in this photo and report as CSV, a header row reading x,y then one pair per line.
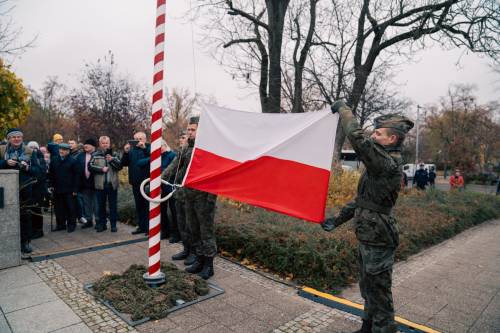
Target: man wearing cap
x,y
63,175
86,192
421,177
200,213
174,174
376,228
16,155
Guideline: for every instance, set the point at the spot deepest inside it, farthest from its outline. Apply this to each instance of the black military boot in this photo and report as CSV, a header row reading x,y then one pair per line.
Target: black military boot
x,y
208,268
197,266
191,258
181,255
366,327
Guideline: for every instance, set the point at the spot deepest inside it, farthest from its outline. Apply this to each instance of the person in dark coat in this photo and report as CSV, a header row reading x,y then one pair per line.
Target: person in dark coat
x,y
86,191
432,177
63,174
421,177
167,156
16,155
133,153
39,192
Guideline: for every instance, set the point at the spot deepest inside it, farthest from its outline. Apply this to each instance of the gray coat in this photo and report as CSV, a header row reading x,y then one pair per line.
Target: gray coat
x,y
96,165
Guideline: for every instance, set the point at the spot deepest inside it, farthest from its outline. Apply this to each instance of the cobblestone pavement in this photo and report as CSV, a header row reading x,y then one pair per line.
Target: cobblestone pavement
x,y
95,315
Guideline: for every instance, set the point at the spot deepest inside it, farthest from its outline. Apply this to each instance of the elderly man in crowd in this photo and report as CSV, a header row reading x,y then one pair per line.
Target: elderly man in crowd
x,y
16,155
86,193
105,166
134,151
63,173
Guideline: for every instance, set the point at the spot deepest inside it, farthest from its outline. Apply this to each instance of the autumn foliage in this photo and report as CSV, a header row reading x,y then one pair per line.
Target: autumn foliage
x,y
13,99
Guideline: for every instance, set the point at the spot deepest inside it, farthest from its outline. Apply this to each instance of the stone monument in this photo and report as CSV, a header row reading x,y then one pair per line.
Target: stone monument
x,y
10,233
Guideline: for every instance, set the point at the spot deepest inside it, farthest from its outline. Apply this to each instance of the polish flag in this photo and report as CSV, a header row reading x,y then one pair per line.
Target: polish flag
x,y
279,162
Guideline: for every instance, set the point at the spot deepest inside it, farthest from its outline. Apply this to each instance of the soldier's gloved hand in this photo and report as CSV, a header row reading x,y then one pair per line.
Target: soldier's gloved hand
x,y
328,224
335,107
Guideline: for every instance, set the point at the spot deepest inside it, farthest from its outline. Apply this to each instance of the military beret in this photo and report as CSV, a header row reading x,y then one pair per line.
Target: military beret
x,y
395,121
64,146
194,120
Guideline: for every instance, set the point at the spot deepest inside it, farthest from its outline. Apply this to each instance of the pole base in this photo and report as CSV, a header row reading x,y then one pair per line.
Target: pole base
x,y
154,281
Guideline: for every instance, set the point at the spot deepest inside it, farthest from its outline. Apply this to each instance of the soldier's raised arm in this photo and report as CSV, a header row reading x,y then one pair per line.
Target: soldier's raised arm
x,y
367,150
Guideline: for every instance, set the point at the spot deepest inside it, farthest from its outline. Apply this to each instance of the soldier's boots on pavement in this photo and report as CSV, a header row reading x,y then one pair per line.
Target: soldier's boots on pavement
x,y
191,258
366,327
208,268
181,255
197,266
87,225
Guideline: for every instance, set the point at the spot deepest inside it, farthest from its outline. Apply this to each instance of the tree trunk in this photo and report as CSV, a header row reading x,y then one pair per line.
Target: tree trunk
x,y
276,11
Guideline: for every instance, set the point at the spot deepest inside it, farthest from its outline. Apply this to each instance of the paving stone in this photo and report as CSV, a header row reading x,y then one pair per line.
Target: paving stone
x,y
42,318
17,277
189,319
26,296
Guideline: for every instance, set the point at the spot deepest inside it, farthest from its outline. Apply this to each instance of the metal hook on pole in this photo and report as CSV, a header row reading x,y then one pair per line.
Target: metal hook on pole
x,y
155,200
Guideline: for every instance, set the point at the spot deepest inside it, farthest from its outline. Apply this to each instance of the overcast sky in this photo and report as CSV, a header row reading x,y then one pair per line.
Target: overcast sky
x,y
71,33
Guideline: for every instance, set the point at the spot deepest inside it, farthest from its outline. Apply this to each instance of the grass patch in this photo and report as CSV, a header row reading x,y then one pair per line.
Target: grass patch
x,y
129,294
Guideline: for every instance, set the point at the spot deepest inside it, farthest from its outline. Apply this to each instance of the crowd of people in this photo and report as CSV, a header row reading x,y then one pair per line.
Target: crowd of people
x,y
80,182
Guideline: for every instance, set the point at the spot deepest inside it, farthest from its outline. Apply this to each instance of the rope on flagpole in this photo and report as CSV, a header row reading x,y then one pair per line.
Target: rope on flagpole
x,y
158,200
154,277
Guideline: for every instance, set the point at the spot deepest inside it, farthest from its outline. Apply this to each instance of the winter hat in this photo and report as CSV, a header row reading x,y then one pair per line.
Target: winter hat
x,y
91,142
57,137
33,145
13,131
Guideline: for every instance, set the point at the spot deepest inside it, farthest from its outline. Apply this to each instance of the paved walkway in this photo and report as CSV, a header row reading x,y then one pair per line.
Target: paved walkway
x,y
452,287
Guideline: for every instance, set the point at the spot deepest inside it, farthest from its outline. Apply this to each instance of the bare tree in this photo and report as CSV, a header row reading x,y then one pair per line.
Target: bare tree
x,y
253,30
10,35
108,103
180,104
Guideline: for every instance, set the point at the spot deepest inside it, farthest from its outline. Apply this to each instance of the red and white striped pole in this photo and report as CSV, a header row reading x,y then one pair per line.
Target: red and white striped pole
x,y
154,276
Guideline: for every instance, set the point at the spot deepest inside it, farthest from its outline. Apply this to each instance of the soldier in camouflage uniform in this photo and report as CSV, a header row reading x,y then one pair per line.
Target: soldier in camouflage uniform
x,y
376,228
200,213
175,172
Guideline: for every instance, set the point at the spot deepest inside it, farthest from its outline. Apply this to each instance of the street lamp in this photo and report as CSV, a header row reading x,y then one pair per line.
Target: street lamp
x,y
418,134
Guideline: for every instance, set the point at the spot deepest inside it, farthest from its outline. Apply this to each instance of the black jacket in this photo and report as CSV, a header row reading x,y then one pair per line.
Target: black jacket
x,y
64,175
136,173
421,178
84,182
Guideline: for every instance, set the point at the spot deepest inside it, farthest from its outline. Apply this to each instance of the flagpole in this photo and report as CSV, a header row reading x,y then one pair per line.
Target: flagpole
x,y
154,277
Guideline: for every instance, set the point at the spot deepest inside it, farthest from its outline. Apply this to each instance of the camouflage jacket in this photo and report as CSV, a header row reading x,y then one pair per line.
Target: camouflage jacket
x,y
177,170
378,187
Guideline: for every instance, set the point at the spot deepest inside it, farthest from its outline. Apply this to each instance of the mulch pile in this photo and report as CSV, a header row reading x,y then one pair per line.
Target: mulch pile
x,y
129,294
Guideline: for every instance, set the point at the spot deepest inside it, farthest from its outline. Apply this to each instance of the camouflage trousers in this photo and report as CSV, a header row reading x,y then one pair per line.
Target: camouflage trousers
x,y
185,233
375,266
200,213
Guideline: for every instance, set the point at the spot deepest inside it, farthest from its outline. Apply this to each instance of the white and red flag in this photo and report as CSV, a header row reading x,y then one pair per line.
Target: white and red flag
x,y
280,162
